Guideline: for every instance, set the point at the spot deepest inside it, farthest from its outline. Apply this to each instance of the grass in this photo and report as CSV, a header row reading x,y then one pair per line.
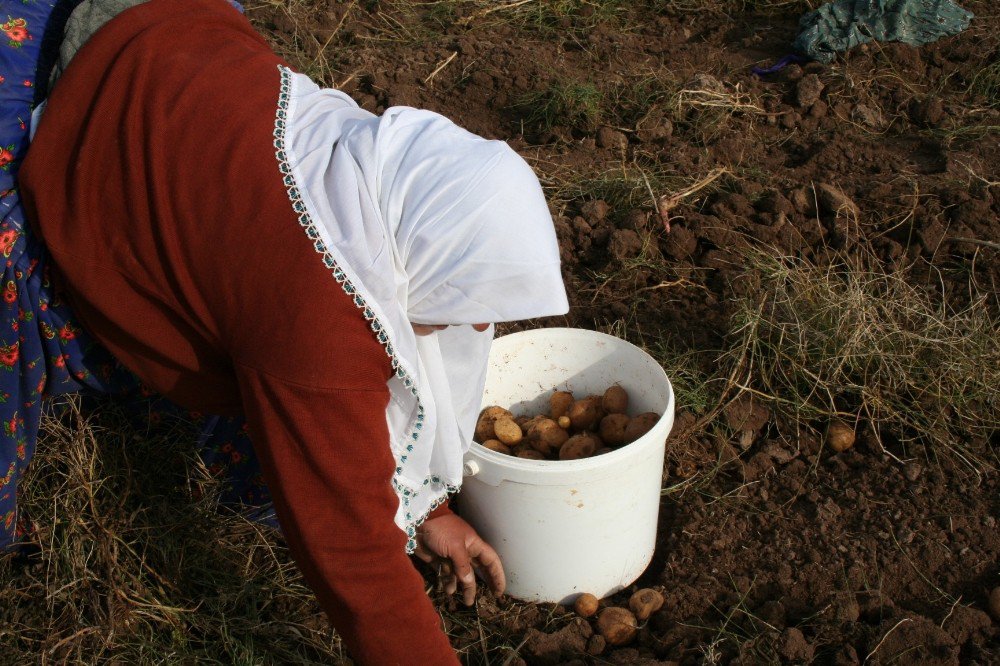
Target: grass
x,y
137,564
568,103
874,348
986,83
739,6
406,21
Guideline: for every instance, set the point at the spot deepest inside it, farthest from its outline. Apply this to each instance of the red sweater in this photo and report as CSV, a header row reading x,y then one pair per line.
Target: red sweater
x,y
153,181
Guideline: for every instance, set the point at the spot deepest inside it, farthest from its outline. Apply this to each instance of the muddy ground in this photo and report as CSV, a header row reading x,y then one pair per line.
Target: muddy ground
x,y
783,550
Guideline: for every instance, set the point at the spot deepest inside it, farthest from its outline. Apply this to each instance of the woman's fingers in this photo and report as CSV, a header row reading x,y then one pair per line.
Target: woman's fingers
x,y
456,547
424,554
461,559
446,576
489,561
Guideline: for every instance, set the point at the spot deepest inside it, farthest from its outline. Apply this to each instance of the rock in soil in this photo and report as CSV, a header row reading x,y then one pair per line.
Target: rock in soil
x,y
832,200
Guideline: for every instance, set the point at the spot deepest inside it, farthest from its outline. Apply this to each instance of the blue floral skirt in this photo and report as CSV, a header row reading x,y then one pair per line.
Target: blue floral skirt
x,y
43,351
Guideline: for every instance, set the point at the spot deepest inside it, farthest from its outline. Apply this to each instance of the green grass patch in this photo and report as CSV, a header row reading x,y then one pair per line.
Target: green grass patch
x,y
567,103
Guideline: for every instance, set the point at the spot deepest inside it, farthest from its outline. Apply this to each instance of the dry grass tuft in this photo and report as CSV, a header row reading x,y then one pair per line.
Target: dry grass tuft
x,y
136,565
741,6
986,84
871,347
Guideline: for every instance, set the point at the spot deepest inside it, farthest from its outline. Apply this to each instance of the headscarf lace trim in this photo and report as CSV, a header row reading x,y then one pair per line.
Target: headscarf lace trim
x,y
403,490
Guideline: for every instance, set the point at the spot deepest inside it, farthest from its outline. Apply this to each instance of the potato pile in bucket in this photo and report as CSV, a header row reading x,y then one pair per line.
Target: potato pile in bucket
x,y
571,430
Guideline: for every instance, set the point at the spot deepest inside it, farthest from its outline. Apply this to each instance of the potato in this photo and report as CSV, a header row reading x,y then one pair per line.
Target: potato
x,y
598,400
559,403
564,422
613,429
546,436
839,435
584,414
527,425
507,431
498,446
617,625
640,425
578,446
522,421
585,605
615,400
484,426
530,454
645,602
604,449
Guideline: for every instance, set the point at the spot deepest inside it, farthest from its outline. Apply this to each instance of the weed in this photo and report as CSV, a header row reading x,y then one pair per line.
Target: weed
x,y
871,346
986,83
572,104
631,102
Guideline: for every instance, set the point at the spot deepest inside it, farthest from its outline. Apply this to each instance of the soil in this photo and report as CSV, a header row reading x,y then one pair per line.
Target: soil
x,y
789,553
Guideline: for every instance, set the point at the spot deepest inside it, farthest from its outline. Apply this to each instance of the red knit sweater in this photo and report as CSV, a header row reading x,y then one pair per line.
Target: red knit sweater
x,y
153,181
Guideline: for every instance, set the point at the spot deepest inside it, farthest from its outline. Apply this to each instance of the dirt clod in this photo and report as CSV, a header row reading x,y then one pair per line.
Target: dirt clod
x,y
553,648
808,90
833,201
746,413
794,647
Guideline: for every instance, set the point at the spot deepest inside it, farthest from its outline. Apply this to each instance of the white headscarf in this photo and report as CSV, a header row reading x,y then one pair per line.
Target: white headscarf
x,y
422,222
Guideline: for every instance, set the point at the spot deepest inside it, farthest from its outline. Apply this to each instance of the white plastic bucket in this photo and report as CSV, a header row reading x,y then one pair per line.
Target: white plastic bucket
x,y
570,526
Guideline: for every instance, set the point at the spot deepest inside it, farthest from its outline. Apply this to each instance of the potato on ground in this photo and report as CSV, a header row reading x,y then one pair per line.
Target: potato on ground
x,y
839,435
487,417
507,431
546,436
617,625
585,414
613,428
498,446
645,602
640,425
579,446
615,400
559,403
586,604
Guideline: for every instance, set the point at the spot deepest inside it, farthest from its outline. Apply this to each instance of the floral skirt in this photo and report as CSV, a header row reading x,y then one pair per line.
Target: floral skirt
x,y
43,352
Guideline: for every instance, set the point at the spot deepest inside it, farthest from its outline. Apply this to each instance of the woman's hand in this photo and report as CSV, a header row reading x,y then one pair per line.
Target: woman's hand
x,y
452,542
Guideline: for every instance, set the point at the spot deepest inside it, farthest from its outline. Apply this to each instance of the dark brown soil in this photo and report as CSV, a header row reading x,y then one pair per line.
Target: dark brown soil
x,y
786,552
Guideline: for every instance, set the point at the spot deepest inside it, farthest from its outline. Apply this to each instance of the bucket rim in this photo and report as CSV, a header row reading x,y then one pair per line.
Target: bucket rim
x,y
556,467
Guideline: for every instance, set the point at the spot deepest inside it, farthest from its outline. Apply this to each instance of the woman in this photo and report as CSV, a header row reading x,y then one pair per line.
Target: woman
x,y
248,243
